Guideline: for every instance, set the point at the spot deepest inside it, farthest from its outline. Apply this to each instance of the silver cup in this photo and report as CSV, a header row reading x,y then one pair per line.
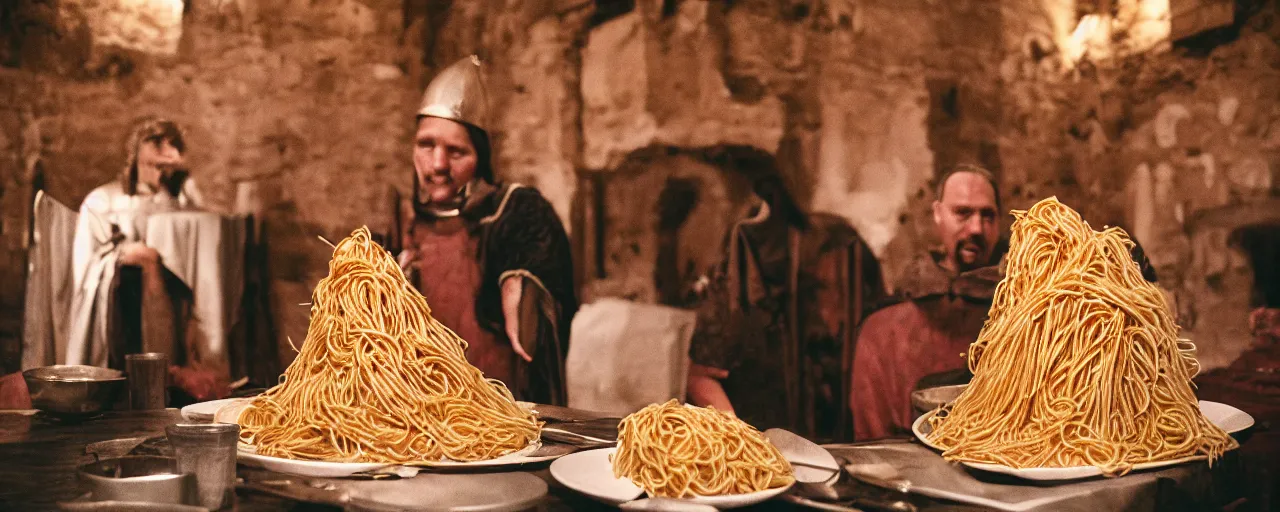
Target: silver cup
x,y
208,451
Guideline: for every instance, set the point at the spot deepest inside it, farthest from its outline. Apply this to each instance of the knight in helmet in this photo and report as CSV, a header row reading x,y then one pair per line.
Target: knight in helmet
x,y
492,259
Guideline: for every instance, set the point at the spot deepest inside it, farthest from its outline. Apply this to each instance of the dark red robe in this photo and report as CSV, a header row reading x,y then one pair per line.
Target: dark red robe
x,y
503,232
928,332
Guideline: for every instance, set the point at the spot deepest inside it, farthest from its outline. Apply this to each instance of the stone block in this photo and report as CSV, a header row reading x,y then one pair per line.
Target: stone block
x,y
149,26
1227,109
643,85
615,89
1166,124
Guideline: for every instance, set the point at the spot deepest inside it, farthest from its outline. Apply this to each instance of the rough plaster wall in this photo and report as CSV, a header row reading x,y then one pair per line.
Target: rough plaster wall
x,y
633,194
302,105
648,81
846,94
539,123
874,154
152,26
1151,143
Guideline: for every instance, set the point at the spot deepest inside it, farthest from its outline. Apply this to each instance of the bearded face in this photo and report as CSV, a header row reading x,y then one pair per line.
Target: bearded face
x,y
966,220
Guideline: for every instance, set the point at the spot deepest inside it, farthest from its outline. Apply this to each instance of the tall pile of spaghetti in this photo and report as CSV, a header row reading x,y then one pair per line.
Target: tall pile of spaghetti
x,y
379,380
676,451
1079,363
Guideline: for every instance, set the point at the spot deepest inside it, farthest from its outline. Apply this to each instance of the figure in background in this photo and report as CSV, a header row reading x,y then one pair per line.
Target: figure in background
x,y
493,260
920,338
124,299
940,305
777,316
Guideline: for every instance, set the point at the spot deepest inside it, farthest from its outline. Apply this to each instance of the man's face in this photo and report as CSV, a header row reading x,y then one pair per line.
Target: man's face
x,y
966,221
156,161
444,159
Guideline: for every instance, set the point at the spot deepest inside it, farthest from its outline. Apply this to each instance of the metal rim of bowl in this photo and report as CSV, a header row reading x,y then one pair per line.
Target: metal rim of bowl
x,y
41,374
919,398
83,470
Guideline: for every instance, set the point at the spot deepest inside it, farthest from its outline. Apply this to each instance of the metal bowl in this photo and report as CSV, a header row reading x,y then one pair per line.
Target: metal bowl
x,y
73,390
925,400
139,479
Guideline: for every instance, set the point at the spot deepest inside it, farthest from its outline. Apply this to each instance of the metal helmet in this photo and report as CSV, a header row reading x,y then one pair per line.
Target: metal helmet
x,y
457,93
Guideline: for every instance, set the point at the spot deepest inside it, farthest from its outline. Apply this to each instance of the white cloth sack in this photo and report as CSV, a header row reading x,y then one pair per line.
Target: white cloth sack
x,y
206,251
625,355
49,284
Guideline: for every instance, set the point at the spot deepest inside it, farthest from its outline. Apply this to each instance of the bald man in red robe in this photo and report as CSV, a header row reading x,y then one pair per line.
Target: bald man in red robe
x,y
943,301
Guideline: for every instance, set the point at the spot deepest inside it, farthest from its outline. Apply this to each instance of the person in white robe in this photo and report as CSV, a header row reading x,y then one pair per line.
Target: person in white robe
x,y
124,300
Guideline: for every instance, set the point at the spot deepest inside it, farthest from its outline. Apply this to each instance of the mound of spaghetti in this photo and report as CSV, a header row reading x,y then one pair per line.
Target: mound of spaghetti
x,y
379,380
1079,363
675,451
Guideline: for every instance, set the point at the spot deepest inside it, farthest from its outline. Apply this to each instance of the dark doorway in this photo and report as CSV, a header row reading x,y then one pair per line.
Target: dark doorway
x,y
1262,244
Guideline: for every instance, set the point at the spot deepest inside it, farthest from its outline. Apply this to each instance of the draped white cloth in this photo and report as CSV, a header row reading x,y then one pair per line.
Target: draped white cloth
x,y
624,355
74,257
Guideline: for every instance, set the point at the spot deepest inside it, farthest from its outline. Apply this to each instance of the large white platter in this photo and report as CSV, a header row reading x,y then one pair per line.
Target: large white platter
x,y
591,474
228,411
204,412
1224,416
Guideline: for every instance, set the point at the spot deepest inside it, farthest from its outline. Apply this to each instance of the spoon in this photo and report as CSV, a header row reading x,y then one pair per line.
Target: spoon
x,y
811,463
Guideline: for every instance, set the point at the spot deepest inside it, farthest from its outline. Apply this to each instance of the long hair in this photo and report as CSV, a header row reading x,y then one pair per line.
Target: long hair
x,y
150,131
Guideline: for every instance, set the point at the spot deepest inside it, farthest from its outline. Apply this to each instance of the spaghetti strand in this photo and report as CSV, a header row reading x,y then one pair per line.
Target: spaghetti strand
x,y
379,380
675,451
1079,363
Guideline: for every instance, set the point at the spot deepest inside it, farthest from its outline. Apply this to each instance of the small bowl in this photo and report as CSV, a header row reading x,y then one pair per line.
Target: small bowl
x,y
145,479
925,400
73,390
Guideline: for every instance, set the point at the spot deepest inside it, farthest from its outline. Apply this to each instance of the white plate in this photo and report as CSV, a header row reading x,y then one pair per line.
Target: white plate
x,y
1226,417
204,412
325,469
591,473
228,410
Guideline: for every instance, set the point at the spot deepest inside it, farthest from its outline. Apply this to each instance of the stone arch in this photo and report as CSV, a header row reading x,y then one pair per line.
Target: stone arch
x,y
667,212
643,229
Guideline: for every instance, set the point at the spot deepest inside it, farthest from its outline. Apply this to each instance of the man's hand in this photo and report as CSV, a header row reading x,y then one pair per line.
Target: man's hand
x,y
200,384
407,259
511,291
697,370
138,254
705,389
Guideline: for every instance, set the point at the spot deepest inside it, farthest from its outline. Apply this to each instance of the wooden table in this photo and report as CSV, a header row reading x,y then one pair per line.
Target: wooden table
x,y
39,456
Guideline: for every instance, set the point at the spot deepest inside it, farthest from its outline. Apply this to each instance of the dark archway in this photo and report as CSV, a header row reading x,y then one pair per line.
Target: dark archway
x,y
1262,243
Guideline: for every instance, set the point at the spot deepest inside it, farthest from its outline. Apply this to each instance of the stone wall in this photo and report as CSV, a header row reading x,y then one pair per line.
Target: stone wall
x,y
858,104
297,111
1177,145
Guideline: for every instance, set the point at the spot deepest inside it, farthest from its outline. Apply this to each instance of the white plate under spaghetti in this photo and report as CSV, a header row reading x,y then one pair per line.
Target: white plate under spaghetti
x,y
591,473
326,469
204,412
1226,417
228,410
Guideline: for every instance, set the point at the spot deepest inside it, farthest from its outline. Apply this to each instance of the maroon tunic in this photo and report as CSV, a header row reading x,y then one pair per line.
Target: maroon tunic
x,y
927,333
898,346
448,275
